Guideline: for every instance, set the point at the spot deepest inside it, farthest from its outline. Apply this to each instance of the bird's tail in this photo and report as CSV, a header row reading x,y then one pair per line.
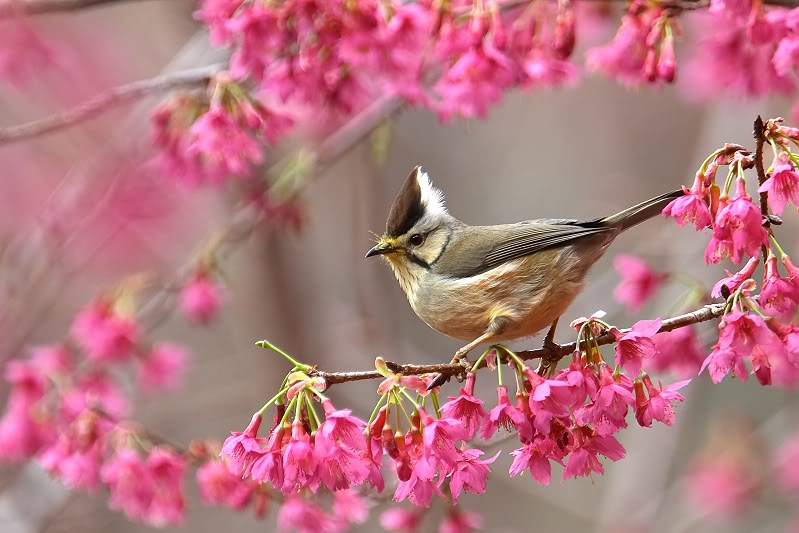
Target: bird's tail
x,y
636,214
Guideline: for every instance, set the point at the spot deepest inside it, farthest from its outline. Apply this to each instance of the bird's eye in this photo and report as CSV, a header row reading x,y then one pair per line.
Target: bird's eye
x,y
417,239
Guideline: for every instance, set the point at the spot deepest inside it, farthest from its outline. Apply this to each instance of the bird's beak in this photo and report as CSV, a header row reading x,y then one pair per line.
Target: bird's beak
x,y
380,248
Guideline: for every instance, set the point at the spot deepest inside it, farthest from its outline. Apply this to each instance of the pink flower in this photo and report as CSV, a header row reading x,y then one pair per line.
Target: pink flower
x,y
163,367
506,416
216,14
692,207
299,462
583,458
418,487
165,469
678,351
786,56
786,464
779,297
535,456
466,408
241,449
659,405
624,57
349,507
401,519
783,184
740,223
226,146
340,427
200,299
474,82
77,455
304,516
636,345
723,488
104,335
129,482
733,282
639,283
460,522
470,473
268,466
608,411
439,436
219,486
340,467
549,399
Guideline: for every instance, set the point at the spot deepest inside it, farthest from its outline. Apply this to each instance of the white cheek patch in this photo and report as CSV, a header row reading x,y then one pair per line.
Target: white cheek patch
x,y
432,198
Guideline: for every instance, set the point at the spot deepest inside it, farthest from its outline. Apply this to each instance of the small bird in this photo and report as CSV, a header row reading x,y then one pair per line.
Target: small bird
x,y
493,283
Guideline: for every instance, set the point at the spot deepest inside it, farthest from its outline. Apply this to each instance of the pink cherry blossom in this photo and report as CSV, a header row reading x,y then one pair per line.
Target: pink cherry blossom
x,y
340,467
350,508
466,408
639,282
439,436
268,466
201,299
657,402
458,521
624,57
506,416
165,469
782,185
77,455
104,335
23,51
734,281
470,473
405,520
583,459
608,411
299,462
722,488
633,347
340,426
536,456
779,297
786,464
549,399
300,514
163,367
129,482
692,207
228,149
219,486
240,449
419,487
678,351
740,224
216,14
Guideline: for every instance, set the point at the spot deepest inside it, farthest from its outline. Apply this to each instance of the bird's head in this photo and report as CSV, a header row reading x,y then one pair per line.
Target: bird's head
x,y
418,226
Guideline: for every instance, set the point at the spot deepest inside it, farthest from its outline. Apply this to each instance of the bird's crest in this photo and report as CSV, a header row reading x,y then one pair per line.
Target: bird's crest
x,y
416,198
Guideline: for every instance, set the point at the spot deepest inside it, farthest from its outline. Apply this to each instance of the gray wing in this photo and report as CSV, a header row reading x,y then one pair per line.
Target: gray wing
x,y
491,246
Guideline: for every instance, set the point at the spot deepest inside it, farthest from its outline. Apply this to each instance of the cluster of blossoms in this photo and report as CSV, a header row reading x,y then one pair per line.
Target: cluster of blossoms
x,y
568,417
755,329
208,140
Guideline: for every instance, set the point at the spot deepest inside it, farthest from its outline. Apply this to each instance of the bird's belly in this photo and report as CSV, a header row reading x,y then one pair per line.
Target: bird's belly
x,y
529,296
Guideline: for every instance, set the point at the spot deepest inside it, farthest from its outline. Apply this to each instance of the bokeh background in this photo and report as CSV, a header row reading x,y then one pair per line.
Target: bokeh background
x,y
578,153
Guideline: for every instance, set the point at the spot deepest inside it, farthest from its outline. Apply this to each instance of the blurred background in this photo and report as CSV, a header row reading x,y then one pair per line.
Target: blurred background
x,y
579,153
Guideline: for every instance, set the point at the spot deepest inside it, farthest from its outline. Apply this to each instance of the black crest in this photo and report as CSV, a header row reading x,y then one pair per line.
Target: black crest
x,y
407,208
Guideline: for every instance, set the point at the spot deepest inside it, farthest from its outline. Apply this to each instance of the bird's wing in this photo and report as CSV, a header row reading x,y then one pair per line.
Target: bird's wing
x,y
537,236
500,244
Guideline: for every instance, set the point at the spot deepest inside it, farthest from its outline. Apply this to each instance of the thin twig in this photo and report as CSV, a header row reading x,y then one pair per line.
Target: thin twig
x,y
196,77
760,139
10,8
704,314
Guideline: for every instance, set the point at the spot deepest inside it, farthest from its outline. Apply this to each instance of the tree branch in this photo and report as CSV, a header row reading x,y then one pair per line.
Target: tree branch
x,y
197,77
704,314
760,139
11,8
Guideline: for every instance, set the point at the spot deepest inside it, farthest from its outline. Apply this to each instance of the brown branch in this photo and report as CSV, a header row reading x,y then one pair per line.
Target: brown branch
x,y
704,314
11,8
760,139
197,77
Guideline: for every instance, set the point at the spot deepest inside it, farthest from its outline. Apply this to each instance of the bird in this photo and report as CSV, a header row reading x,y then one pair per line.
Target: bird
x,y
494,283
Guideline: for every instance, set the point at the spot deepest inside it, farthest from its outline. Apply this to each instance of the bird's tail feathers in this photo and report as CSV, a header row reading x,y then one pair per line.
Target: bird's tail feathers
x,y
636,214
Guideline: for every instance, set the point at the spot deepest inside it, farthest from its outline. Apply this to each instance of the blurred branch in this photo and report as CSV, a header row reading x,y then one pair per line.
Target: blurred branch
x,y
704,314
10,8
122,94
